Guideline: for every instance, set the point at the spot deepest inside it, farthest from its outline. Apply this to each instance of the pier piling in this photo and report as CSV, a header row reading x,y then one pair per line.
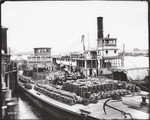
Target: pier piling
x,y
12,110
5,95
4,109
11,100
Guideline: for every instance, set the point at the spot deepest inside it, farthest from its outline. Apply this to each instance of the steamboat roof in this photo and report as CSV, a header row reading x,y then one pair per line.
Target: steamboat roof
x,y
42,48
107,38
101,49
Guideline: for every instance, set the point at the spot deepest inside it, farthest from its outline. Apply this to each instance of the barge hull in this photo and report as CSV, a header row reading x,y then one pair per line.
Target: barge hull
x,y
53,111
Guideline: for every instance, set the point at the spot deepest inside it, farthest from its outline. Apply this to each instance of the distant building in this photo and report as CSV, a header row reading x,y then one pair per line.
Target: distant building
x,y
135,52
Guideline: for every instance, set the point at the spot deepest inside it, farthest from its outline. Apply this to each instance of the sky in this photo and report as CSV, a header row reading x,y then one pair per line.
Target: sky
x,y
60,24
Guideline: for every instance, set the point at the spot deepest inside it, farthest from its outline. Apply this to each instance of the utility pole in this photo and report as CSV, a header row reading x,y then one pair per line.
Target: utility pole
x,y
88,41
82,39
70,62
122,61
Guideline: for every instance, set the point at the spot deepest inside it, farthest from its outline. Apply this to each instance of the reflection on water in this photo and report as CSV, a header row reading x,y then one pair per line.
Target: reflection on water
x,y
28,110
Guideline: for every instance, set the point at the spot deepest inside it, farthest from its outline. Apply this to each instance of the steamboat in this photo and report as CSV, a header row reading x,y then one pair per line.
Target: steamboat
x,y
84,86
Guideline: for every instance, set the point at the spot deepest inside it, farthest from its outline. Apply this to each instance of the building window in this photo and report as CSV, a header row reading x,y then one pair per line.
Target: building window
x,y
115,51
106,51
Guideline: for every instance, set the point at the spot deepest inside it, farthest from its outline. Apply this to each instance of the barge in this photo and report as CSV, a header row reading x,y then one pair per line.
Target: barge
x,y
128,107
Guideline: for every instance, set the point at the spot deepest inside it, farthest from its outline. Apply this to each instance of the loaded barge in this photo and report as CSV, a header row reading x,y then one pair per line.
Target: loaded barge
x,y
90,100
108,99
83,86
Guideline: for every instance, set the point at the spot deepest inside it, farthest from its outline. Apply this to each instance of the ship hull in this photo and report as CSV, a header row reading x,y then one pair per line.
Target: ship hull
x,y
52,110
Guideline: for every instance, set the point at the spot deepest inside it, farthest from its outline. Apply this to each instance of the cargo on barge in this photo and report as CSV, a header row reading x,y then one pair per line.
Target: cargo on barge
x,y
66,105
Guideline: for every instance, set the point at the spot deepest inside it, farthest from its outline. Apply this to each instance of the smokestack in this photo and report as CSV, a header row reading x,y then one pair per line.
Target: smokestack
x,y
99,27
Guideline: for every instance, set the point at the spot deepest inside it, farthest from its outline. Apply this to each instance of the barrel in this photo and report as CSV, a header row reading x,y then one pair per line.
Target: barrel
x,y
95,88
80,91
67,86
5,95
85,88
99,87
108,86
71,87
112,86
102,87
12,110
84,94
74,87
115,86
4,108
89,88
105,86
10,100
88,94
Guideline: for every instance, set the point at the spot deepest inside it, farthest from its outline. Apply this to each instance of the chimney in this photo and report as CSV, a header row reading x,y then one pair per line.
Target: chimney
x,y
99,27
4,39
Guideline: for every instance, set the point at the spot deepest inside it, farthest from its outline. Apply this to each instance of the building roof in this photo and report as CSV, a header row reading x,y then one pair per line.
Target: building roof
x,y
107,39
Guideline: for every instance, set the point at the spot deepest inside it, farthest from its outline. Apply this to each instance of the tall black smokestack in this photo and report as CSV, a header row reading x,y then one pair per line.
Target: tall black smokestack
x,y
100,27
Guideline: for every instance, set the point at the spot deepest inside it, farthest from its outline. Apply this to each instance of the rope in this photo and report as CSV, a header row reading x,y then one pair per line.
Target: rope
x,y
131,62
119,48
88,43
77,46
130,116
71,46
142,86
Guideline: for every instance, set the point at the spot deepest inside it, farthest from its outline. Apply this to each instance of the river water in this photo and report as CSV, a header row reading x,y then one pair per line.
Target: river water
x,y
28,110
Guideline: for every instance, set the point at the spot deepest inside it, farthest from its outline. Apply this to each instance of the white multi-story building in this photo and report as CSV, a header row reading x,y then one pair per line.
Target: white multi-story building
x,y
41,59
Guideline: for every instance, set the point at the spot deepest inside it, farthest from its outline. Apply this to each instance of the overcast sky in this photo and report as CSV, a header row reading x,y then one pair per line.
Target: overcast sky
x,y
60,24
